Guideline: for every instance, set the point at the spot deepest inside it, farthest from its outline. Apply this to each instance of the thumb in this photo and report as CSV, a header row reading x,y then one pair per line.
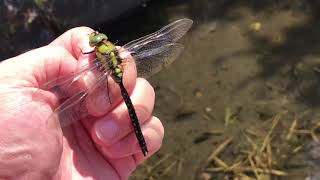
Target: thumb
x,y
21,75
44,64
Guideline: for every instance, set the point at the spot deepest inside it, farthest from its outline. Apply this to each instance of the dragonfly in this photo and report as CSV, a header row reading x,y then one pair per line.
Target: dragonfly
x,y
151,53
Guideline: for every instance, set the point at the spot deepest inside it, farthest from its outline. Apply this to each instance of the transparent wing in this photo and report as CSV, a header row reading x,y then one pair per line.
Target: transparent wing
x,y
64,85
152,52
152,61
169,34
74,109
71,110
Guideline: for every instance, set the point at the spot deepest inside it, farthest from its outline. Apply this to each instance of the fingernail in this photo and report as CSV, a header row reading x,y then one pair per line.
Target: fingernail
x,y
84,45
106,130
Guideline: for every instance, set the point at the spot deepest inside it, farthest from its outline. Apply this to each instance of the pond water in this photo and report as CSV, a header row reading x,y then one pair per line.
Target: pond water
x,y
248,72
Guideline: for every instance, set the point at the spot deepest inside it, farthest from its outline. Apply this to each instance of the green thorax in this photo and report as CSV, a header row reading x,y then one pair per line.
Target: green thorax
x,y
107,54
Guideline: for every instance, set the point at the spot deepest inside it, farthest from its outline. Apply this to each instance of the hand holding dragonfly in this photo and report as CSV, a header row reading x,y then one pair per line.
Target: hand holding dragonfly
x,y
103,146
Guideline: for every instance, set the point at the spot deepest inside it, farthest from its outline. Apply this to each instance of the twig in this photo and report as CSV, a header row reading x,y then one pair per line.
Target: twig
x,y
249,170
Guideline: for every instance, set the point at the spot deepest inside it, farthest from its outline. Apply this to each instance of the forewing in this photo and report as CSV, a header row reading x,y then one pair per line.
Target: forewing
x,y
156,50
166,35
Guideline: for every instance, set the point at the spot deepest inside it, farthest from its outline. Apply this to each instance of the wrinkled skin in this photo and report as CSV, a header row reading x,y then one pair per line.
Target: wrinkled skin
x,y
33,146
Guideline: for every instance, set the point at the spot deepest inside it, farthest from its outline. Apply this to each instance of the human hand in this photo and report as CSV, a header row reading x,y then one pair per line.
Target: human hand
x,y
34,147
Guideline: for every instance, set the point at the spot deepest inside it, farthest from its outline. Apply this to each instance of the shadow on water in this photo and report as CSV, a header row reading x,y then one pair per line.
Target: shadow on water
x,y
301,41
298,42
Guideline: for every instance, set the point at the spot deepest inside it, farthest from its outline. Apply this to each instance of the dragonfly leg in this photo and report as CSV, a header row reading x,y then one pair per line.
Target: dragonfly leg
x,y
108,91
124,62
107,74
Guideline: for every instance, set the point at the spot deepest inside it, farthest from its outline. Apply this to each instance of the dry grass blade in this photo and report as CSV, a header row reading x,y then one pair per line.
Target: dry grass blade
x,y
253,166
297,149
250,170
162,160
180,165
302,131
235,166
267,138
253,145
314,132
215,169
291,130
269,154
230,117
244,177
219,149
314,136
168,169
220,163
215,132
251,132
259,162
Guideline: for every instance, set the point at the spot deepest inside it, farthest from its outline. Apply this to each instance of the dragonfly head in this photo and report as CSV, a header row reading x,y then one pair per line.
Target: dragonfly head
x,y
95,38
